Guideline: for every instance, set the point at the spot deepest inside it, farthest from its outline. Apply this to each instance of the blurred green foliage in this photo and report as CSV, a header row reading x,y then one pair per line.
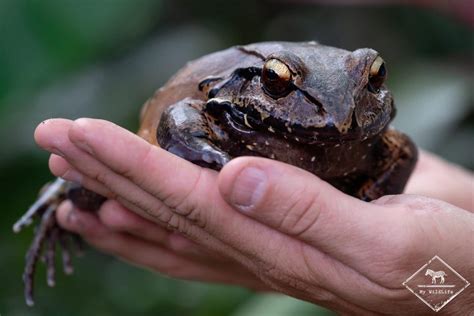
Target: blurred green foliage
x,y
42,40
104,58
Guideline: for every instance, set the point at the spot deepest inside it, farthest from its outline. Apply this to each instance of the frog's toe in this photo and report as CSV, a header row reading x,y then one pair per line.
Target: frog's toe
x,y
51,195
214,159
50,255
47,236
42,234
185,131
66,251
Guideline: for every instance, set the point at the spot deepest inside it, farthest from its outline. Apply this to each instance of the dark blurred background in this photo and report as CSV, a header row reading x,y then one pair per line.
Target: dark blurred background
x,y
65,58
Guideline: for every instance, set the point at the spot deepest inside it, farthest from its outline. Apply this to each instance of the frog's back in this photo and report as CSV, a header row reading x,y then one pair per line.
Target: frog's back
x,y
185,84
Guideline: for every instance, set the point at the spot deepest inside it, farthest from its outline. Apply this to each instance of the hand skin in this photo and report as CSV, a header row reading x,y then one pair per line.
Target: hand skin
x,y
263,224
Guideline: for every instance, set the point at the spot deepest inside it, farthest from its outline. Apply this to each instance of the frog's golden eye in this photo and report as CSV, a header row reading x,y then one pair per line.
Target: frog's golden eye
x,y
377,75
276,77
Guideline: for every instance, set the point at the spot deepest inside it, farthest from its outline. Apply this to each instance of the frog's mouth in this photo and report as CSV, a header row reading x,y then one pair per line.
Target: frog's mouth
x,y
247,120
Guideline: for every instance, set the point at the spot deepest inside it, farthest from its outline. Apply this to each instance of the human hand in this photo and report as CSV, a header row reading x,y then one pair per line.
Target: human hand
x,y
298,235
439,179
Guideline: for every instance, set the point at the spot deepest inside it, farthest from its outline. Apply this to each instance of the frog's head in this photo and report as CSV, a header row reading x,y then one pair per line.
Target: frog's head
x,y
307,92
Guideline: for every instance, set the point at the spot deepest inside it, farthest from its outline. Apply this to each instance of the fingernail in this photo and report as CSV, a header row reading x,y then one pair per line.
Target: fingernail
x,y
249,188
71,217
73,221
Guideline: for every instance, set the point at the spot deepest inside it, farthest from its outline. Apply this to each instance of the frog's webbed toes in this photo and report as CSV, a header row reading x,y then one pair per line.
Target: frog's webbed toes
x,y
47,236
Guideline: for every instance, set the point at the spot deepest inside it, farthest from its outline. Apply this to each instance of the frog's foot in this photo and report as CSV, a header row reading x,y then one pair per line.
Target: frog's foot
x,y
370,191
47,235
400,159
184,131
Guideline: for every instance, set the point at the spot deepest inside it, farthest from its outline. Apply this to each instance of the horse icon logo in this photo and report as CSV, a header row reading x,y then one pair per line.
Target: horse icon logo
x,y
435,275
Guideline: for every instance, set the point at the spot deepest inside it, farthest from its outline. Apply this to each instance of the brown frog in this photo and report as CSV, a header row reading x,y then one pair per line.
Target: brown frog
x,y
320,108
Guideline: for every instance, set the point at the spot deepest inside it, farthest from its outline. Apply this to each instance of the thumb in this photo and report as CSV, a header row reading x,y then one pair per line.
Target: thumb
x,y
297,203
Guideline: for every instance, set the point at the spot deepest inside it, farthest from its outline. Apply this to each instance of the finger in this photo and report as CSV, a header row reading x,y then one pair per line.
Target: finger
x,y
149,255
120,160
119,219
185,197
185,188
115,217
135,159
301,205
61,168
158,259
165,183
52,135
194,206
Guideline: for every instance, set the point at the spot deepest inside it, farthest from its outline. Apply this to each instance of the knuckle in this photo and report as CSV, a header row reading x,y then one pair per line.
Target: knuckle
x,y
179,199
186,205
146,159
280,279
274,271
268,272
288,275
169,219
176,222
159,213
301,213
126,172
193,215
101,176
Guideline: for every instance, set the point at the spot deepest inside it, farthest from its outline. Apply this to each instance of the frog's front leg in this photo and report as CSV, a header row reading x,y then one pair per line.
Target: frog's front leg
x,y
48,233
185,130
398,159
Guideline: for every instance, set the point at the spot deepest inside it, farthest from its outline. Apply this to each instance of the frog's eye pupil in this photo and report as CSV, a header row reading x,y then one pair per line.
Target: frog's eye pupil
x,y
276,78
272,75
377,75
382,71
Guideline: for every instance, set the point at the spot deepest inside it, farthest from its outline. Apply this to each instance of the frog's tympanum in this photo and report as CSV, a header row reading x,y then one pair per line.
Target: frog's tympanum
x,y
320,108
